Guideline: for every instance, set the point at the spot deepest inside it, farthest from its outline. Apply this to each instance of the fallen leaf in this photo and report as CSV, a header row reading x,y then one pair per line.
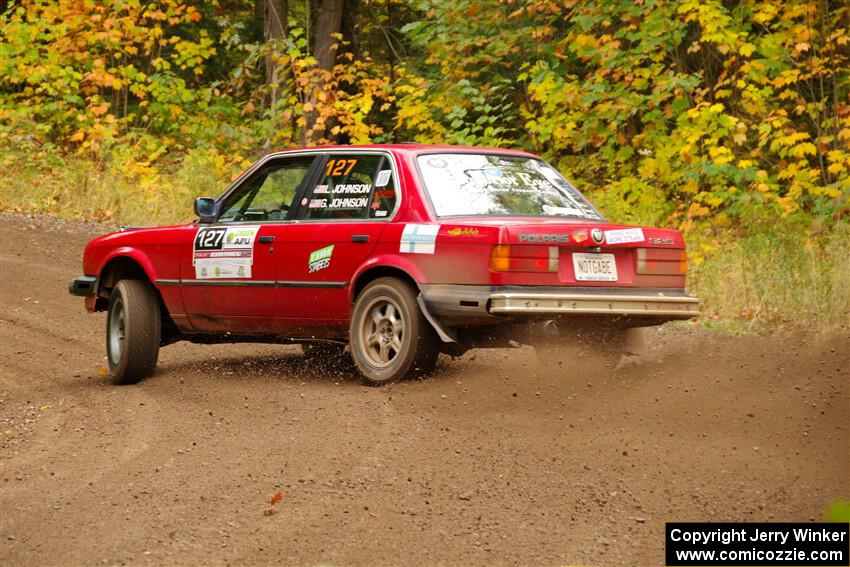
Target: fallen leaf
x,y
277,497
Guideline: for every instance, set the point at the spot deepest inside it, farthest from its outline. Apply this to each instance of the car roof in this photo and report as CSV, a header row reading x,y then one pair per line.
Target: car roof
x,y
415,149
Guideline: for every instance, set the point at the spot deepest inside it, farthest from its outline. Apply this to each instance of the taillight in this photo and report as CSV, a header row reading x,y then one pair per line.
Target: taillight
x,y
661,261
524,258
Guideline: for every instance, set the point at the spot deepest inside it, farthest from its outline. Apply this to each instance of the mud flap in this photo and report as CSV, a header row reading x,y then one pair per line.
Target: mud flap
x,y
445,334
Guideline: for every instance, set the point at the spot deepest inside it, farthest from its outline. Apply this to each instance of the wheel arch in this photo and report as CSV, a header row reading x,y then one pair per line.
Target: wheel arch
x,y
119,267
123,266
372,273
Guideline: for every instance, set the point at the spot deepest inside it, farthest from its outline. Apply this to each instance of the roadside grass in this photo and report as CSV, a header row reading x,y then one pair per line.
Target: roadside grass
x,y
777,276
784,277
121,189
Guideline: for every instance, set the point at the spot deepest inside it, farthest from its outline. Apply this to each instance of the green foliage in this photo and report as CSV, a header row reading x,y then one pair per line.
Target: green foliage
x,y
776,277
839,511
728,120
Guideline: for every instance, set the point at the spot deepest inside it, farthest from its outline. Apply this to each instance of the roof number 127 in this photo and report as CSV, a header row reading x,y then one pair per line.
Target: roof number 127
x,y
337,167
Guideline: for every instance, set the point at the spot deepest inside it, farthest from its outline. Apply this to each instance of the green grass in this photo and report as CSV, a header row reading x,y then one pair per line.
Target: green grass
x,y
782,277
121,189
779,277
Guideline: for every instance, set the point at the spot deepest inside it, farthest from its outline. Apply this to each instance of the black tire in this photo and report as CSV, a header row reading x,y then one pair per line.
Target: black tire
x,y
383,351
133,328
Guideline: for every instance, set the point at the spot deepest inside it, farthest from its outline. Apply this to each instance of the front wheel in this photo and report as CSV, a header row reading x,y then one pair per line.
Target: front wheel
x,y
390,338
133,327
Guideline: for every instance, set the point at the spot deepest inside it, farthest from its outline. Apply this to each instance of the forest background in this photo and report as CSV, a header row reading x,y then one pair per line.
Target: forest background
x,y
729,120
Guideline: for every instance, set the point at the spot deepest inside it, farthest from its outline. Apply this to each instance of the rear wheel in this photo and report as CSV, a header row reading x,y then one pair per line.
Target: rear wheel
x,y
390,338
133,327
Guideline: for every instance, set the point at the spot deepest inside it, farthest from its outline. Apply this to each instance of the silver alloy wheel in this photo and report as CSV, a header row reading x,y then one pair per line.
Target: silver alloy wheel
x,y
382,331
116,331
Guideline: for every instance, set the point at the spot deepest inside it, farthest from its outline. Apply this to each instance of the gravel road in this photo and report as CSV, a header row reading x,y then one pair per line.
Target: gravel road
x,y
495,460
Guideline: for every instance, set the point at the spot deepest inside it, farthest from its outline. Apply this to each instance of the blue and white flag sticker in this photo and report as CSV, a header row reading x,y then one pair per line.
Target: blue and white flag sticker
x,y
419,238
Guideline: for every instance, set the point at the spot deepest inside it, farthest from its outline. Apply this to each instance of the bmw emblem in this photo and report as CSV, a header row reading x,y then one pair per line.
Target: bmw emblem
x,y
597,236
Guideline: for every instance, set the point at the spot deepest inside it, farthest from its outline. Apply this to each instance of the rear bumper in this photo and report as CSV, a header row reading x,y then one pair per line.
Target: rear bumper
x,y
676,307
84,286
466,304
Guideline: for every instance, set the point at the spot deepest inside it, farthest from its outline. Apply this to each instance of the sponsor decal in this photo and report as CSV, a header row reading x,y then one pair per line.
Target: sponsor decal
x,y
419,238
383,178
580,236
320,259
380,213
224,252
461,231
624,236
661,241
552,237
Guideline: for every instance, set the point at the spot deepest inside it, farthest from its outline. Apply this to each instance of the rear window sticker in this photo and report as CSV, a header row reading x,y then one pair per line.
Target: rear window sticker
x,y
352,188
419,238
337,167
380,213
383,178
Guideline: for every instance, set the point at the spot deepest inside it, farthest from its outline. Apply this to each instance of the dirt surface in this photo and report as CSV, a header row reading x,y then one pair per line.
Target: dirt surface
x,y
495,460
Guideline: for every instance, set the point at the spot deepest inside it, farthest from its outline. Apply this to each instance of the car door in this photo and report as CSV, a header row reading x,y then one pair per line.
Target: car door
x,y
337,225
230,277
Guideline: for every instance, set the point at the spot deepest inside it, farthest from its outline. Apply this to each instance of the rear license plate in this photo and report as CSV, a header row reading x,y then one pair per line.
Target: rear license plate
x,y
595,267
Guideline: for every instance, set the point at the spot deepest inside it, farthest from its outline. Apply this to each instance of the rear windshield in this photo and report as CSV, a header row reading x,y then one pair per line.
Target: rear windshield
x,y
490,184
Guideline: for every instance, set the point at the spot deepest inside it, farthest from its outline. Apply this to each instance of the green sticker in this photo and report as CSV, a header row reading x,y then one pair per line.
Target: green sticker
x,y
320,259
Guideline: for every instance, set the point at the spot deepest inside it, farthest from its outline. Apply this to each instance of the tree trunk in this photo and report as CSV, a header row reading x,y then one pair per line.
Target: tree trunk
x,y
274,28
328,22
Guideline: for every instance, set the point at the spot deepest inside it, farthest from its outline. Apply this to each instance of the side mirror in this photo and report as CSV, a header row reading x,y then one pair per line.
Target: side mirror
x,y
206,209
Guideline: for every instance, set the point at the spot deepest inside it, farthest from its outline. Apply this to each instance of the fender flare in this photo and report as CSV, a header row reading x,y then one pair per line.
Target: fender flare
x,y
387,261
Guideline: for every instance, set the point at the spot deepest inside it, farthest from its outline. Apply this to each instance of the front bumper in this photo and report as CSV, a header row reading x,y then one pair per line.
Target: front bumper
x,y
84,286
469,304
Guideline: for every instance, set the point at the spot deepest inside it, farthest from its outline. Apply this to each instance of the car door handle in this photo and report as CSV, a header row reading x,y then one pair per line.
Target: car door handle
x,y
360,238
266,239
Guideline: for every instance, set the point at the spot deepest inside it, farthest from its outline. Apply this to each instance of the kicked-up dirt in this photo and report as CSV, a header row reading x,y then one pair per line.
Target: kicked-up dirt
x,y
495,460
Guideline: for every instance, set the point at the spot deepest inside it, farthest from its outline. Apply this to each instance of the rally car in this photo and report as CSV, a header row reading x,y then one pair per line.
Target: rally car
x,y
394,252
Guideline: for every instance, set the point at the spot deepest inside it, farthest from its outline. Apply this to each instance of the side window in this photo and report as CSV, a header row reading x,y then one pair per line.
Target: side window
x,y
269,194
351,187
